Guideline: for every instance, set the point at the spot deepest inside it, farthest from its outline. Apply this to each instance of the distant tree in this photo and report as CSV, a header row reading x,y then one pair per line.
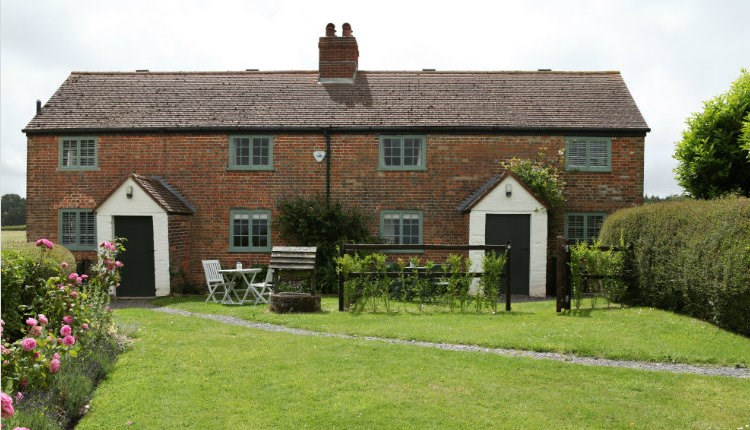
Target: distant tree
x,y
13,210
714,153
656,199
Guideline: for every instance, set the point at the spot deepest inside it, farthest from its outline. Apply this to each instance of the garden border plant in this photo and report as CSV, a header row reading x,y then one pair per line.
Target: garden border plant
x,y
369,280
68,342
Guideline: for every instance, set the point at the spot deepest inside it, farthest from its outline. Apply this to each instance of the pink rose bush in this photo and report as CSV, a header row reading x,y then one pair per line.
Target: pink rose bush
x,y
6,406
44,243
71,305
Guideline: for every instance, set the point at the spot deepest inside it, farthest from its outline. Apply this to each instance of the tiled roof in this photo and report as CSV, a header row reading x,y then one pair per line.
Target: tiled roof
x,y
164,195
513,101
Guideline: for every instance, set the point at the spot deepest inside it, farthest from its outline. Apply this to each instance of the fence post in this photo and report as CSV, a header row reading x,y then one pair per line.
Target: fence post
x,y
507,279
567,286
341,278
560,251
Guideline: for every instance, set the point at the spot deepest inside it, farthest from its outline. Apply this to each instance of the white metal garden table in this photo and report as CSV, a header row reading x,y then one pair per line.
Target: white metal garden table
x,y
240,281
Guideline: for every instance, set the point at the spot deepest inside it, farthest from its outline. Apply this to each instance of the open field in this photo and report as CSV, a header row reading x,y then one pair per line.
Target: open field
x,y
13,236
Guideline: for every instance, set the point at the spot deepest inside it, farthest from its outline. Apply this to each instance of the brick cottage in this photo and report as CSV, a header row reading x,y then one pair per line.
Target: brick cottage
x,y
190,165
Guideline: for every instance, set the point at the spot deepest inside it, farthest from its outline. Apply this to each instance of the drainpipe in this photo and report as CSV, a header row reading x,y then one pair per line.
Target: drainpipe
x,y
327,134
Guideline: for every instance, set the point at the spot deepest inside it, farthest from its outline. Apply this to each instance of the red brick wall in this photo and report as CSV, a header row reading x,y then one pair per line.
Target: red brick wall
x,y
196,164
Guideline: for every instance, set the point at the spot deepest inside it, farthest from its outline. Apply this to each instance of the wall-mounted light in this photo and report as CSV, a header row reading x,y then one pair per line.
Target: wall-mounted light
x,y
319,155
508,190
129,191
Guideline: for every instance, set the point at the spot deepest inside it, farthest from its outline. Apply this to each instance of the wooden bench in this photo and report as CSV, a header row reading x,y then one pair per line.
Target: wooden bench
x,y
298,261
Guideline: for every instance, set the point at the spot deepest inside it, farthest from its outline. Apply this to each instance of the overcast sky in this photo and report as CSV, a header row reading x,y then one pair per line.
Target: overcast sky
x,y
673,54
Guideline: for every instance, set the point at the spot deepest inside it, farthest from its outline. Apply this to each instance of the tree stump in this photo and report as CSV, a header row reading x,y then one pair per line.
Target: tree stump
x,y
282,303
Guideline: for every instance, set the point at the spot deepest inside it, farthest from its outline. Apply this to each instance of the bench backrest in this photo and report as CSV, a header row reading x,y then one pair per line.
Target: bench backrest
x,y
293,258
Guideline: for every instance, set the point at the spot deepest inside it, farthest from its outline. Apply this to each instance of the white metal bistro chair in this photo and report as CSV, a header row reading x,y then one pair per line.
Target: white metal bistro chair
x,y
214,281
263,288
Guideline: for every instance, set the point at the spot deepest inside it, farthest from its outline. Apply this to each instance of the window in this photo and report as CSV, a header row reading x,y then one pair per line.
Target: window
x,y
402,153
250,230
401,227
251,153
78,153
78,229
589,154
583,226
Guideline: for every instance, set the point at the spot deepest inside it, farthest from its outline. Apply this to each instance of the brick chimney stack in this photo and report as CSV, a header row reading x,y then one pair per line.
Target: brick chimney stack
x,y
338,56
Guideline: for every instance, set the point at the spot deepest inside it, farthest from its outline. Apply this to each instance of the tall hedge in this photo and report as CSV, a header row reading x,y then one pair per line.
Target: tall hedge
x,y
691,256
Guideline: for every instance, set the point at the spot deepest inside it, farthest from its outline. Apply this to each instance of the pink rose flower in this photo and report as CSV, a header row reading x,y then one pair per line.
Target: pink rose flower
x,y
69,341
119,264
84,276
72,276
74,294
54,365
56,356
43,319
63,265
21,428
32,322
85,326
28,344
19,396
6,405
65,330
45,243
67,319
79,280
36,331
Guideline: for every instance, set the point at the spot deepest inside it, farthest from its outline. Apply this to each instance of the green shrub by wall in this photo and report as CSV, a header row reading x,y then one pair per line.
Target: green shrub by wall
x,y
691,256
23,278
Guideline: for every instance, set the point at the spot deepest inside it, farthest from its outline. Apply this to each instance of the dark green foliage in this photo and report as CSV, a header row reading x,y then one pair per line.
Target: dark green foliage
x,y
714,153
13,210
313,222
690,256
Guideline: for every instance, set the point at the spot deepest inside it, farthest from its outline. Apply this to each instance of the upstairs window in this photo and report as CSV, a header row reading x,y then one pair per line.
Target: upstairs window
x,y
589,154
78,229
402,153
251,153
401,227
583,226
250,230
78,153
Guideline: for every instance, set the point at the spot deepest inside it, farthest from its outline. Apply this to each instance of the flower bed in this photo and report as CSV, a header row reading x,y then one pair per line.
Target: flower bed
x,y
66,343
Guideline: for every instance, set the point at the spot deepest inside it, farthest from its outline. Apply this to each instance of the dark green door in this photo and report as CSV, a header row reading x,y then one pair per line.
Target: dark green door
x,y
138,273
499,229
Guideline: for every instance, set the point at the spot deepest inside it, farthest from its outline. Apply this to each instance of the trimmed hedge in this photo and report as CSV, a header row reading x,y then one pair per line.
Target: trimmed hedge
x,y
691,256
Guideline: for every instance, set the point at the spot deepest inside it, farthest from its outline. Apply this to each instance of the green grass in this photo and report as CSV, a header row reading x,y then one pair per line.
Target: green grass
x,y
9,236
186,372
616,333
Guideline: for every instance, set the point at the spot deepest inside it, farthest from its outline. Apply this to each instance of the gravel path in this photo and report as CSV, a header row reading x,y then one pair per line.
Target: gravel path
x,y
732,372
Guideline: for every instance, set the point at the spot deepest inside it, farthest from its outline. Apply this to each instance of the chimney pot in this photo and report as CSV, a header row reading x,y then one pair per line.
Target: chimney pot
x,y
38,106
347,30
338,56
330,30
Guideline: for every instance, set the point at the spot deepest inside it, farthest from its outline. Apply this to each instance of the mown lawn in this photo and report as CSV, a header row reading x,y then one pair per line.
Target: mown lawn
x,y
187,372
616,333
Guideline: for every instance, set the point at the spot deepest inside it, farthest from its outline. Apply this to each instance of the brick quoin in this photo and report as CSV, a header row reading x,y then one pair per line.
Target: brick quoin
x,y
196,165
